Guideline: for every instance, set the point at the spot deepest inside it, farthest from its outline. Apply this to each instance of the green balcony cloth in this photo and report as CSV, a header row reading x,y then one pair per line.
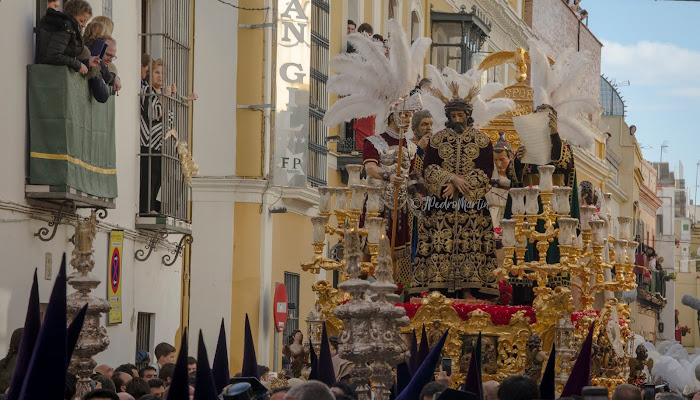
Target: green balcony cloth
x,y
71,136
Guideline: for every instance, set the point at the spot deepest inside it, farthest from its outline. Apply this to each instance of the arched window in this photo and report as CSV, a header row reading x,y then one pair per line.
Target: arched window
x,y
415,26
393,9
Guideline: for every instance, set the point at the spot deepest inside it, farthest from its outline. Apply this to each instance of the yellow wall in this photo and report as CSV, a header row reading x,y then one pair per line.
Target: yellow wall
x,y
686,283
245,288
289,251
249,91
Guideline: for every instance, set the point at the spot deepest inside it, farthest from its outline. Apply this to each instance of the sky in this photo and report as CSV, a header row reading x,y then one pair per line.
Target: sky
x,y
654,45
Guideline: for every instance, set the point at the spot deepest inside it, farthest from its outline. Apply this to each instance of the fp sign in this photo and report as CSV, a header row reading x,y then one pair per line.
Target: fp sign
x,y
292,88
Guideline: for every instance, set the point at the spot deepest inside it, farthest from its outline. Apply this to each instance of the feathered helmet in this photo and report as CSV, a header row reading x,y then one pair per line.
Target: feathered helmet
x,y
410,104
371,83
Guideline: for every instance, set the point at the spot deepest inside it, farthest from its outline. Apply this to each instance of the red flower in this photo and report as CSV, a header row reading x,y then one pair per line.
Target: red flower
x,y
399,288
500,315
505,291
497,230
424,294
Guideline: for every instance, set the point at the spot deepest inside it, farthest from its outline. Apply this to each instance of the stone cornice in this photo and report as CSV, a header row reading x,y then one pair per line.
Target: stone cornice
x,y
505,17
300,201
591,165
649,197
618,194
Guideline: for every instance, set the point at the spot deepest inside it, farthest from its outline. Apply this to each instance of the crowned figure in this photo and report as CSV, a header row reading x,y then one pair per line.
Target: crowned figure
x,y
456,241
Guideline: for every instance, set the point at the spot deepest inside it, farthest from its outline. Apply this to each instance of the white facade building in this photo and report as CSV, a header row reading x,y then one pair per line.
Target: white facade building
x,y
151,291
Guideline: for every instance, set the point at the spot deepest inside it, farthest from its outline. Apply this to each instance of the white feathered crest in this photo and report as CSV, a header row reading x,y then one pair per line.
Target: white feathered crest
x,y
559,86
369,81
485,106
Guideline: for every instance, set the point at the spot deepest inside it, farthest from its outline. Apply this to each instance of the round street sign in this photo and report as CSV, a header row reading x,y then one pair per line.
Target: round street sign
x,y
280,307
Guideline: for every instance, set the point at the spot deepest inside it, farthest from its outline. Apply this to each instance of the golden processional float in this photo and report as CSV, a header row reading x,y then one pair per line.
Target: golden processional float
x,y
596,264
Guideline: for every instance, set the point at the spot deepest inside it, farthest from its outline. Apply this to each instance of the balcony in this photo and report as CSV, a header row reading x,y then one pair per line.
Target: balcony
x,y
651,287
72,151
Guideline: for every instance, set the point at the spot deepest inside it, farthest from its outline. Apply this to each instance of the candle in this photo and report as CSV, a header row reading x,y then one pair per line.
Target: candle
x,y
625,223
358,197
620,251
341,198
324,204
377,228
508,237
518,200
546,172
319,229
607,200
586,216
597,231
532,206
555,199
567,230
354,171
374,199
564,202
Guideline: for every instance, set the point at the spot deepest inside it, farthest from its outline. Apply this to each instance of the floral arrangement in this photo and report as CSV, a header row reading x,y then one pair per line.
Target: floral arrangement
x,y
678,243
506,292
684,329
498,231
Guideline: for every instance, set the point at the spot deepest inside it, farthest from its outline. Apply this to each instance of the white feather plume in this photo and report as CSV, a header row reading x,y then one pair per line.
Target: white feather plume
x,y
437,82
486,107
484,112
559,86
436,108
489,90
419,49
369,81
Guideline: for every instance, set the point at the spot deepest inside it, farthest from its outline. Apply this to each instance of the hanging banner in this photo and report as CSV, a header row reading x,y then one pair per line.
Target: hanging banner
x,y
292,92
114,275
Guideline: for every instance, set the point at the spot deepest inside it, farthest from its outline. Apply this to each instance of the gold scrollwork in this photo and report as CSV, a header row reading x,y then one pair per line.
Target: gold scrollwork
x,y
328,299
503,346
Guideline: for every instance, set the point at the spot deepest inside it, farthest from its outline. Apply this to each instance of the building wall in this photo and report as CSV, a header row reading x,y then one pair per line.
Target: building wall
x,y
686,283
146,286
557,26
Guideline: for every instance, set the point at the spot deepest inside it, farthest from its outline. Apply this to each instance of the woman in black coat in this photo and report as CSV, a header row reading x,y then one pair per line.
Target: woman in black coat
x,y
60,40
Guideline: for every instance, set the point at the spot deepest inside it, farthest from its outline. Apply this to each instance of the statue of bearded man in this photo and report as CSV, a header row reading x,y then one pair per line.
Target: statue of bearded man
x,y
456,247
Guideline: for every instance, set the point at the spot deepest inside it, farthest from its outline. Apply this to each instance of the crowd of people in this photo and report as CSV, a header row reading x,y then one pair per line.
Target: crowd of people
x,y
89,48
575,6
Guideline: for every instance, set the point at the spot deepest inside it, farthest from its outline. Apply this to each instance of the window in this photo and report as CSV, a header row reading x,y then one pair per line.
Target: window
x,y
457,37
318,95
165,116
415,26
685,227
393,9
145,328
291,281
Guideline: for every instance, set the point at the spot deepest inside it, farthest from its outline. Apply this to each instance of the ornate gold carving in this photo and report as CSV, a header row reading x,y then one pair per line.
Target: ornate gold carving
x,y
328,299
549,308
503,346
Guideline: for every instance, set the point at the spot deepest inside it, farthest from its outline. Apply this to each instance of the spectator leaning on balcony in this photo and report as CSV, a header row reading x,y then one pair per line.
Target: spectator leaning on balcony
x,y
152,135
152,138
60,41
